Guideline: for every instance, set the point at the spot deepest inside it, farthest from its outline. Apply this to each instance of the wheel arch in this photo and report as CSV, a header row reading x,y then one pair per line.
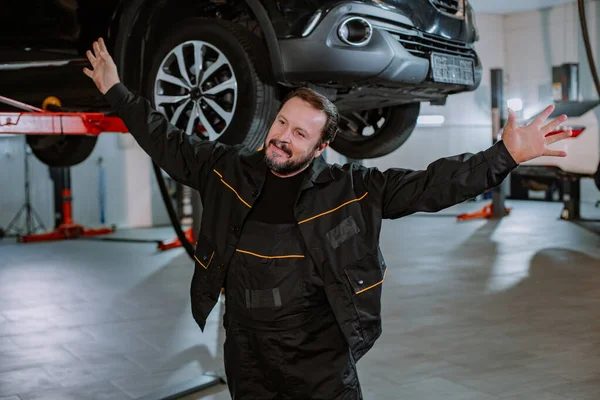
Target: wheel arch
x,y
138,22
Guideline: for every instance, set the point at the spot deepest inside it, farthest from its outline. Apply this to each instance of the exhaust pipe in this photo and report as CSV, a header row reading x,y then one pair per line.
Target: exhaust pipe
x,y
355,31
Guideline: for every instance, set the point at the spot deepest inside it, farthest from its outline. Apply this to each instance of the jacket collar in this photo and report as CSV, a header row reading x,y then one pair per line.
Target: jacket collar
x,y
320,170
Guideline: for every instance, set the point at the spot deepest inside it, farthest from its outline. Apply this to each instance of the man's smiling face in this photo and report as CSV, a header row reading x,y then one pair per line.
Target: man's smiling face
x,y
294,139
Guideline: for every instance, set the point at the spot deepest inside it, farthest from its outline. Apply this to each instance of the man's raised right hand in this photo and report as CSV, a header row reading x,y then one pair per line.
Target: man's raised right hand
x,y
104,73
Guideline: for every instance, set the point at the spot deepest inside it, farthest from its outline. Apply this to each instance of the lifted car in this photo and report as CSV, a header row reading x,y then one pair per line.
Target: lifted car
x,y
218,68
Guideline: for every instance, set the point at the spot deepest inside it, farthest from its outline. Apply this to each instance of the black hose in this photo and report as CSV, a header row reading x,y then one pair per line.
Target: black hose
x,y
189,248
588,46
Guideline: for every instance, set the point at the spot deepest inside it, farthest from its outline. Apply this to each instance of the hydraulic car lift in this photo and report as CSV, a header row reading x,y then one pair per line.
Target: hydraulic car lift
x,y
37,121
40,121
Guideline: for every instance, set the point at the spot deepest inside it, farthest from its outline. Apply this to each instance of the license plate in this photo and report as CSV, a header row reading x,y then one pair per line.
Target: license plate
x,y
452,69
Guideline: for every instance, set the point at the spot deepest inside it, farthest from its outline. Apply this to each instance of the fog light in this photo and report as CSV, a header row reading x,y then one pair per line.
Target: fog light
x,y
355,31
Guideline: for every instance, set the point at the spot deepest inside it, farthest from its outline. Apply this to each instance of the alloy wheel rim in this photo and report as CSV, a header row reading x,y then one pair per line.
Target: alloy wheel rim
x,y
196,88
361,125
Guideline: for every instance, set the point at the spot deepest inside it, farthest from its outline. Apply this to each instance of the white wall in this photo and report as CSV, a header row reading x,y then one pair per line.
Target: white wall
x,y
12,179
535,41
467,126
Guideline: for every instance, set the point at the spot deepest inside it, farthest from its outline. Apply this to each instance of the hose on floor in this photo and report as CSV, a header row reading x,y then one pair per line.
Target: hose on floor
x,y
164,193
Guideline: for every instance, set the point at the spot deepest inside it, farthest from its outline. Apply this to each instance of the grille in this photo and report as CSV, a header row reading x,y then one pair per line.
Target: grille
x,y
421,44
450,6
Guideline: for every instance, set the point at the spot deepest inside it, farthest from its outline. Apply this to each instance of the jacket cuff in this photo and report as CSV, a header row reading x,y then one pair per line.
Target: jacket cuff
x,y
116,95
499,159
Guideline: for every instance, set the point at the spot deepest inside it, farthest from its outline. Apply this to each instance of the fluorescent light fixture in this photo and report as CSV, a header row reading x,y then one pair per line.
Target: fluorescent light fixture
x,y
430,120
515,104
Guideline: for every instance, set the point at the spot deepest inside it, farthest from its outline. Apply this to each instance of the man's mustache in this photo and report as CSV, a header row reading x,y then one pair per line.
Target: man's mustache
x,y
282,146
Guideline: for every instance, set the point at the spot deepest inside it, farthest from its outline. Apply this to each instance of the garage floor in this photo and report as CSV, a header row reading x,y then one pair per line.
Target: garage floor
x,y
474,310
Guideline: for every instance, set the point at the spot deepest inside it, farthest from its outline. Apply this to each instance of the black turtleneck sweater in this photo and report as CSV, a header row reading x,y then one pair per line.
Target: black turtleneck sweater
x,y
277,199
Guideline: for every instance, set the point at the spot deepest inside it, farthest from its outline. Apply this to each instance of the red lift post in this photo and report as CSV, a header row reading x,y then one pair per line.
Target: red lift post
x,y
68,229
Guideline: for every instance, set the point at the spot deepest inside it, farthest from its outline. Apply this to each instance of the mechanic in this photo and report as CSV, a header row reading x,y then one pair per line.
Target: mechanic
x,y
294,240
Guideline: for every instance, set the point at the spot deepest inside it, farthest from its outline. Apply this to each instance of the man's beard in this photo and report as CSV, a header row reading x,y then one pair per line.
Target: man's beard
x,y
288,166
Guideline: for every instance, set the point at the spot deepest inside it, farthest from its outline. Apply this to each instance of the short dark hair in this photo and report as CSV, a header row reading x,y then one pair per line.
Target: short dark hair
x,y
321,103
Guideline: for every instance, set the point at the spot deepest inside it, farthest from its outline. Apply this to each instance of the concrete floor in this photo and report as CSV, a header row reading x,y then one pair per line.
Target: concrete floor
x,y
482,310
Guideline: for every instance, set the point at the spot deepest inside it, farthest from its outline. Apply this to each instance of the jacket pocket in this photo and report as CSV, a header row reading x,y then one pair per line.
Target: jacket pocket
x,y
205,254
367,274
207,279
209,271
365,279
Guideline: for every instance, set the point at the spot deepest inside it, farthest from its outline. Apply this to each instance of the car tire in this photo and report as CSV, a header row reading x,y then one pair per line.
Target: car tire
x,y
249,100
390,127
62,150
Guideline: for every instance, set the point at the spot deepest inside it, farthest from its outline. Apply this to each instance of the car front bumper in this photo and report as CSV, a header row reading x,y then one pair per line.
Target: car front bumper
x,y
397,54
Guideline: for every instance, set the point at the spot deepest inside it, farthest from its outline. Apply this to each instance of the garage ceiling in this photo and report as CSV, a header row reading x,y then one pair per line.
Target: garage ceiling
x,y
511,6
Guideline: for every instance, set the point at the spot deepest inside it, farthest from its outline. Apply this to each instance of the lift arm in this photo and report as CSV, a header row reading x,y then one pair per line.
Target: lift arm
x,y
35,121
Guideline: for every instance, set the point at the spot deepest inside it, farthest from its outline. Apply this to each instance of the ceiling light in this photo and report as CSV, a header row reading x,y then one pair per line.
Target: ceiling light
x,y
515,104
430,120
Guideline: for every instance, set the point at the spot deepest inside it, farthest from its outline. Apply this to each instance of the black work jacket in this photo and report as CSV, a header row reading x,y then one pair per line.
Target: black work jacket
x,y
339,209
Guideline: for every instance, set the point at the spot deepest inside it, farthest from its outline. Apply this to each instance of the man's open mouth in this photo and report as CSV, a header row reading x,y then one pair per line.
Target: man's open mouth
x,y
279,150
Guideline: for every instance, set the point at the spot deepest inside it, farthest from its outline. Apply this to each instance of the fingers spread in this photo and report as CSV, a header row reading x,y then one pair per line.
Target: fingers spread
x,y
559,136
97,50
554,153
102,45
555,123
543,116
87,71
91,57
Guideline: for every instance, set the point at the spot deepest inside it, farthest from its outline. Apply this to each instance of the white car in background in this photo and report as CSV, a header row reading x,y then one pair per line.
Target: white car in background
x,y
583,149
